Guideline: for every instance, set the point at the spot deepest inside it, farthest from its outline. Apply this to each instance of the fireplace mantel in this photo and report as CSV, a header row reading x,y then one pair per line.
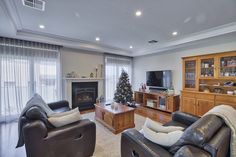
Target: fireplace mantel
x,y
67,87
82,79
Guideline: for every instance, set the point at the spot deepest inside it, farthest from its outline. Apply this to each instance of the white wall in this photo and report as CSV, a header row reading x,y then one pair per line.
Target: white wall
x,y
80,61
83,63
172,61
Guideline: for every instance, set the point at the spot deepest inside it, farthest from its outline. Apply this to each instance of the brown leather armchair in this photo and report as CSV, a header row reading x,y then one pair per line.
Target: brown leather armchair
x,y
204,137
43,140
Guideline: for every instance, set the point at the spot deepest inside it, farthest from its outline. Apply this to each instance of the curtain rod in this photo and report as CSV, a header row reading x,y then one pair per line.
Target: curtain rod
x,y
35,48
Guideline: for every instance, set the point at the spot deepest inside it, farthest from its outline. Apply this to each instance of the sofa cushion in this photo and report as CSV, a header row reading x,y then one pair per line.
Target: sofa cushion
x,y
199,133
163,139
61,109
176,123
59,121
158,127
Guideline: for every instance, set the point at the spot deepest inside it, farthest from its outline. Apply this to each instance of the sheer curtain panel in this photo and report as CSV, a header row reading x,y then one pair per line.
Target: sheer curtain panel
x,y
113,68
27,68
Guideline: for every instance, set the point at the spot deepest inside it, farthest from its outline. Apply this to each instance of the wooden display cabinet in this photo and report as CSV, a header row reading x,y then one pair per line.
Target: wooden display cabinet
x,y
209,86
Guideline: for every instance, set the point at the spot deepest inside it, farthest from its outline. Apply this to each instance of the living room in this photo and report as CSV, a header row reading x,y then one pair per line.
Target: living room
x,y
117,78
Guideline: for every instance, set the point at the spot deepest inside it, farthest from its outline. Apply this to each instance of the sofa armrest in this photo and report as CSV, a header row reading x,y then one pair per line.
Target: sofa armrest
x,y
58,104
219,144
134,144
184,118
79,136
191,151
75,130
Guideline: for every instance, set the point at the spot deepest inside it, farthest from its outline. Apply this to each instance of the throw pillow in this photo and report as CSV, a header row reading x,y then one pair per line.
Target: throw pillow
x,y
163,139
65,120
157,127
64,113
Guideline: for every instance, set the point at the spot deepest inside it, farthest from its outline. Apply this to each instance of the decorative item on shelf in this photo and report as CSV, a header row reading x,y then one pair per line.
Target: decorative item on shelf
x,y
71,75
218,90
91,75
206,90
231,63
123,93
132,104
230,92
114,106
83,76
151,103
143,87
96,71
229,83
234,92
171,90
100,99
216,85
101,74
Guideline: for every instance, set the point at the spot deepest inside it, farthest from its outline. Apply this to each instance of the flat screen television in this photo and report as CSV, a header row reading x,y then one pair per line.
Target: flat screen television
x,y
161,79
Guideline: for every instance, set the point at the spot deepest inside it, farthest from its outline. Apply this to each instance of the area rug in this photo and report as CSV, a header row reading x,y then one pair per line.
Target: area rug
x,y
107,143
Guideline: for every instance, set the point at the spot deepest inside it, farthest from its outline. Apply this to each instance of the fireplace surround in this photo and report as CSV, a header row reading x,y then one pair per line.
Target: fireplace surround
x,y
84,94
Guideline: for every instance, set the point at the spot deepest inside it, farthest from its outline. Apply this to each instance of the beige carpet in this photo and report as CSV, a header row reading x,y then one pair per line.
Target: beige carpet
x,y
107,143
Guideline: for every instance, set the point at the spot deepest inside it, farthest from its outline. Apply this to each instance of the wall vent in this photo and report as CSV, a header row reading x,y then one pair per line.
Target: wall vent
x,y
152,41
34,4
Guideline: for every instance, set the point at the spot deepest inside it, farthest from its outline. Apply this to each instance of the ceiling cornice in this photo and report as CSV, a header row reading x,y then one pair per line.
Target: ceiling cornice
x,y
21,33
68,42
180,42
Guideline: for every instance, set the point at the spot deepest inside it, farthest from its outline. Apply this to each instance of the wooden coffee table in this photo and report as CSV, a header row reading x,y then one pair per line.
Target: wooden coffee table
x,y
115,117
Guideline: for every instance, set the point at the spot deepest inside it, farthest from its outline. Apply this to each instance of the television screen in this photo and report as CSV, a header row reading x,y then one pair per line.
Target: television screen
x,y
159,78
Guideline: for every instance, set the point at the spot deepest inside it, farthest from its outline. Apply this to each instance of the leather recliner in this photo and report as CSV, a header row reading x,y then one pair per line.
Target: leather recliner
x,y
203,137
43,140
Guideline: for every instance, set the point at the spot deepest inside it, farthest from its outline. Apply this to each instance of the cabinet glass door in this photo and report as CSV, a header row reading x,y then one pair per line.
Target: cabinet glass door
x,y
228,66
207,67
190,74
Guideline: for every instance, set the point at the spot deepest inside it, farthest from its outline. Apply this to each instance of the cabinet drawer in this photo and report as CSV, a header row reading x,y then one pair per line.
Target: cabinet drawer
x,y
205,96
186,94
226,99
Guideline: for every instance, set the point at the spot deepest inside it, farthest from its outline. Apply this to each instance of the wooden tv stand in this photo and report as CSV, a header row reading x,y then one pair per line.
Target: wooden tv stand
x,y
161,101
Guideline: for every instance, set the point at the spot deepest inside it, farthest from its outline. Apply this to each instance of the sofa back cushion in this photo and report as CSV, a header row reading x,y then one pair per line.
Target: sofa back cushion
x,y
36,113
199,133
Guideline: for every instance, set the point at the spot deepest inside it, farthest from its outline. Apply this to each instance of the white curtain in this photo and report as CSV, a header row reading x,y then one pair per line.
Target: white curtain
x,y
27,68
113,68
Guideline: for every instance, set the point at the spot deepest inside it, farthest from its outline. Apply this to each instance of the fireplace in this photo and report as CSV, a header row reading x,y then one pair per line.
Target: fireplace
x,y
84,94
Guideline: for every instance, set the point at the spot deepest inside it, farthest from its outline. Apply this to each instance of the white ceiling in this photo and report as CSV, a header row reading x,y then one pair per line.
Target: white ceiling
x,y
76,23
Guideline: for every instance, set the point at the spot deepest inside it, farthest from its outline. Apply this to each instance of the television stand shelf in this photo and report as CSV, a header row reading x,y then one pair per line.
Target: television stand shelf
x,y
157,100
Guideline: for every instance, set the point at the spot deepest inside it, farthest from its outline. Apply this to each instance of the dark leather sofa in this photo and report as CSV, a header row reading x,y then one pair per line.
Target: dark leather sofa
x,y
43,140
203,137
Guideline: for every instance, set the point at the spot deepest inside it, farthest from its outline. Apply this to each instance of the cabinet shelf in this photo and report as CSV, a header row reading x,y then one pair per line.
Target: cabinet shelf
x,y
231,66
170,102
217,86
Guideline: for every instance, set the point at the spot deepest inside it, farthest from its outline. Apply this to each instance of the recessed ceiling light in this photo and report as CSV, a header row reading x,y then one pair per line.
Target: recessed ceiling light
x,y
77,14
130,46
97,39
175,33
41,26
138,13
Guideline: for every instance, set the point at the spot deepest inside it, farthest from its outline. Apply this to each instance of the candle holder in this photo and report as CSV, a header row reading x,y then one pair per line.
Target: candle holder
x,y
96,69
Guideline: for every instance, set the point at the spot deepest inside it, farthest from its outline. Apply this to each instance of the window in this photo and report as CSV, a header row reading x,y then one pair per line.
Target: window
x,y
25,70
113,68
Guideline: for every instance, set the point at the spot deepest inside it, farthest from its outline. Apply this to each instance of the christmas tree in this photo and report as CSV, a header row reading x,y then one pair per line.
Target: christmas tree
x,y
124,91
